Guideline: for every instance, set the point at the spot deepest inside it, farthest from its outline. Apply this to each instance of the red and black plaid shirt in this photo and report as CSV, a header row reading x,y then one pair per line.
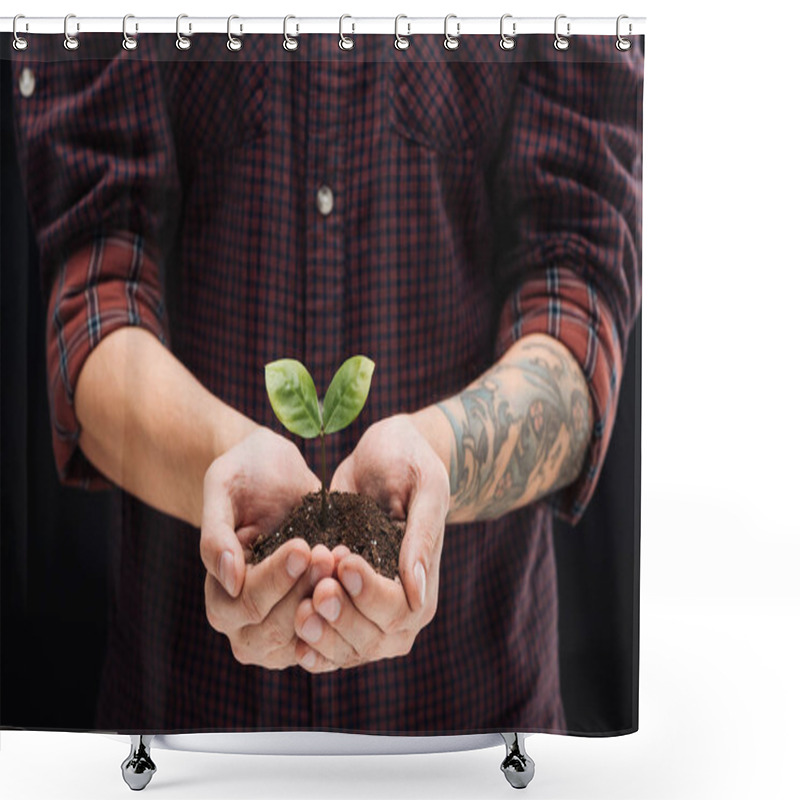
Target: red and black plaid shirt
x,y
478,196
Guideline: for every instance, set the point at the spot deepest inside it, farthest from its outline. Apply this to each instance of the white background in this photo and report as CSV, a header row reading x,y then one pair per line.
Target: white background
x,y
720,603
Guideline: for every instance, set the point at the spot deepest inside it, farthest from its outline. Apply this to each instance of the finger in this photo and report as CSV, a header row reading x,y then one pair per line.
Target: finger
x,y
322,564
220,548
264,586
253,645
421,549
310,660
339,552
271,643
380,600
281,617
312,629
331,602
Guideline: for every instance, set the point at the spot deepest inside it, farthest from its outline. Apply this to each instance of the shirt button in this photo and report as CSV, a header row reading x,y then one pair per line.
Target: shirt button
x,y
325,200
27,83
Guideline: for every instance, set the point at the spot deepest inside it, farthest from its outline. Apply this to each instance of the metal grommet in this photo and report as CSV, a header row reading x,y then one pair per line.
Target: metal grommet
x,y
450,41
182,42
128,42
622,44
345,42
507,42
19,43
234,43
401,42
562,42
289,43
70,42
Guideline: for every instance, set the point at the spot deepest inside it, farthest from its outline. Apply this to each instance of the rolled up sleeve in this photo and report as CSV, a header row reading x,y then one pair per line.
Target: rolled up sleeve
x,y
568,183
98,168
105,285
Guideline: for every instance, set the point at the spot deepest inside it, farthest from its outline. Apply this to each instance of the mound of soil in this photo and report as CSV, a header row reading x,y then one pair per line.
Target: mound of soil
x,y
354,520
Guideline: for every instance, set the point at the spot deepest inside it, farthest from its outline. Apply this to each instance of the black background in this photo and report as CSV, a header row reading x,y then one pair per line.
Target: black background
x,y
54,548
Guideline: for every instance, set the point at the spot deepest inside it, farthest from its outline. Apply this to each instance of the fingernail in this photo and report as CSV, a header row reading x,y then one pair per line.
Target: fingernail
x,y
316,574
308,660
352,582
419,575
227,572
312,629
295,564
330,608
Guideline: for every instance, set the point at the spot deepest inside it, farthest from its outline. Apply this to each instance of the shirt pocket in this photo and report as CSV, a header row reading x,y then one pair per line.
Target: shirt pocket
x,y
218,105
455,108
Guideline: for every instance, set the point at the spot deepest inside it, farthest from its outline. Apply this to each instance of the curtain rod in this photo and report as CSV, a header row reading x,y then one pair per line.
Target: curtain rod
x,y
297,26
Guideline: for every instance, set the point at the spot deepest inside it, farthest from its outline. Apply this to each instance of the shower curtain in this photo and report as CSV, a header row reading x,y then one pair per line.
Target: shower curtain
x,y
467,220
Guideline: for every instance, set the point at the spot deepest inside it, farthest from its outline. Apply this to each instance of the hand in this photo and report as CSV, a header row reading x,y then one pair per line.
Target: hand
x,y
247,490
361,616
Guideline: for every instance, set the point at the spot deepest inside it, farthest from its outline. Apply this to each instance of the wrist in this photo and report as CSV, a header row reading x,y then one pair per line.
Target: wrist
x,y
229,428
435,427
222,428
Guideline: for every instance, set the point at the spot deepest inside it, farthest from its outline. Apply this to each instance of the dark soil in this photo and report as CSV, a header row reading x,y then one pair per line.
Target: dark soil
x,y
354,520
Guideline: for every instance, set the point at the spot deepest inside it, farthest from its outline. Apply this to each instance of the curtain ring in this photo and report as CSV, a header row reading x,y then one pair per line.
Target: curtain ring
x,y
345,42
19,43
289,42
182,43
623,44
234,43
70,42
401,42
450,41
507,42
561,43
128,42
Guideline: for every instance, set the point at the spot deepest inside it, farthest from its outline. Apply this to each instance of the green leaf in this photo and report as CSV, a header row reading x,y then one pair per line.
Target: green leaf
x,y
347,393
293,397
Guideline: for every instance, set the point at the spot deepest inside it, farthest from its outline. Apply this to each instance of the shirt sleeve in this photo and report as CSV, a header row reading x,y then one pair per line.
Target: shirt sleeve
x,y
98,170
568,185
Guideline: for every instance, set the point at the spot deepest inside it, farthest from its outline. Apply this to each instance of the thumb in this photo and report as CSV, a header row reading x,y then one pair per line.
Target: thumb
x,y
344,478
421,550
220,548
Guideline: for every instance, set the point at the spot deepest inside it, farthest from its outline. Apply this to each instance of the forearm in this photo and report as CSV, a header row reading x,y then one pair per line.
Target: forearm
x,y
149,425
514,435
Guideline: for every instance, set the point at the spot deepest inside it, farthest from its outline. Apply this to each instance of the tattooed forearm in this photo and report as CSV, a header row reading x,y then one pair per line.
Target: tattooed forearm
x,y
520,431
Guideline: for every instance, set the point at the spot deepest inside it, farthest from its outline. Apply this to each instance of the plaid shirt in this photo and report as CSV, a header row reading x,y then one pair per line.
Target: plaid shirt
x,y
477,196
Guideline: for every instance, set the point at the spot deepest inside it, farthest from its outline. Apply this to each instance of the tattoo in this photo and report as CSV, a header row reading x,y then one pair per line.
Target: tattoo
x,y
521,431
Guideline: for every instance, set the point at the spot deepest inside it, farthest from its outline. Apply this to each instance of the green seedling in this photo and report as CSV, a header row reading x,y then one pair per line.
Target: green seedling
x,y
294,399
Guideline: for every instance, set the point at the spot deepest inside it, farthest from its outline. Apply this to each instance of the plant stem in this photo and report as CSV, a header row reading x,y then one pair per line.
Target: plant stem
x,y
324,516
